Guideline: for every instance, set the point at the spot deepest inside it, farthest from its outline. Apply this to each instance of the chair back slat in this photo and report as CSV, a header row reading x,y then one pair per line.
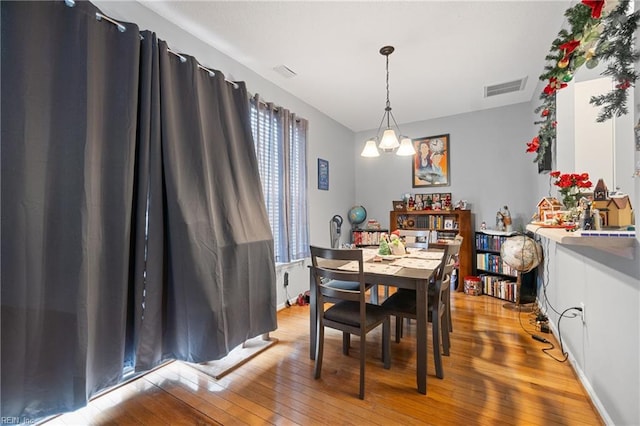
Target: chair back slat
x,y
415,238
451,251
323,259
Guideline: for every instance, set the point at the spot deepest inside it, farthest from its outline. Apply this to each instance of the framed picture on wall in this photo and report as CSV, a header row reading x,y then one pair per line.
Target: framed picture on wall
x,y
323,174
430,165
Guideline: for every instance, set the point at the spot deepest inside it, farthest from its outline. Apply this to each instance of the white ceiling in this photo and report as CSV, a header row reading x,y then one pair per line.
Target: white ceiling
x,y
446,51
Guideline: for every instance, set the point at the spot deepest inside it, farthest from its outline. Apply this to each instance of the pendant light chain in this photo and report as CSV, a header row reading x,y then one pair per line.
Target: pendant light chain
x,y
388,108
389,139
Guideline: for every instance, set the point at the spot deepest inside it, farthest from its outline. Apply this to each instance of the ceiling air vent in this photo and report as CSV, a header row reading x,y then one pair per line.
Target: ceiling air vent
x,y
502,88
285,71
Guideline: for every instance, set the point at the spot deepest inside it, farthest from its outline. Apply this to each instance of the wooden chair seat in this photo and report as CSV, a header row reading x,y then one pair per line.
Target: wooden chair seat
x,y
349,313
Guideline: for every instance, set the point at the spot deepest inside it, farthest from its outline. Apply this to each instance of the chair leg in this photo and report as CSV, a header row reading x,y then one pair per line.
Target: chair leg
x,y
346,342
363,345
399,321
448,311
445,334
319,350
437,357
386,346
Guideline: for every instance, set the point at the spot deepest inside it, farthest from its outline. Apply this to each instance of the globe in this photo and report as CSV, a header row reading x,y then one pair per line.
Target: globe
x,y
357,215
521,253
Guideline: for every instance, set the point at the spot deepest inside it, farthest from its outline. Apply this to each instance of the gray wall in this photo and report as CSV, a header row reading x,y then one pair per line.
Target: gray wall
x,y
489,166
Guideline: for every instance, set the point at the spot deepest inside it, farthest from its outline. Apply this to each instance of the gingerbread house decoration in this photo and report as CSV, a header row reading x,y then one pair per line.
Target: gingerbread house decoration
x,y
600,192
548,204
619,211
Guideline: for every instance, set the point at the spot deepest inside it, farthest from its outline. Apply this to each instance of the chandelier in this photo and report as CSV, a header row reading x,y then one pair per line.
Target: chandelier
x,y
389,139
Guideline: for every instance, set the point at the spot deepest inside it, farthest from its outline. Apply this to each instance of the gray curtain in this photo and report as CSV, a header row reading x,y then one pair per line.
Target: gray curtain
x,y
69,96
133,224
220,260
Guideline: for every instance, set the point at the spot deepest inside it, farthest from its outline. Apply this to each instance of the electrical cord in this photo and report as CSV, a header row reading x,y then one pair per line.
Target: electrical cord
x,y
545,278
565,355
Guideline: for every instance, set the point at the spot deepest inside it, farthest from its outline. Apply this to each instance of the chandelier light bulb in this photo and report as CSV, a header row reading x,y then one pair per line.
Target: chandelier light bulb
x,y
406,147
370,149
389,140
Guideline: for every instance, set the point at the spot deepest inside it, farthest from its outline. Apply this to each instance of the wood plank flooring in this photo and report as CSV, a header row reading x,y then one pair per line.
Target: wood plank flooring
x,y
496,374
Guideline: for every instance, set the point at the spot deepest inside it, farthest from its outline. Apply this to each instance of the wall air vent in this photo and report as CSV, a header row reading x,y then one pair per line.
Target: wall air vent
x,y
285,71
502,88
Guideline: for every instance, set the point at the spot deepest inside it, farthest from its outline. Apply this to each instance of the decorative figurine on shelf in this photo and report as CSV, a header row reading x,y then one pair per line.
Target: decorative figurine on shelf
x,y
506,219
410,204
483,225
586,221
499,221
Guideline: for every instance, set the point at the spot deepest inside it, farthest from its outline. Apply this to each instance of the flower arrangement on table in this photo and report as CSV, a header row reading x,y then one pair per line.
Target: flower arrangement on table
x,y
570,187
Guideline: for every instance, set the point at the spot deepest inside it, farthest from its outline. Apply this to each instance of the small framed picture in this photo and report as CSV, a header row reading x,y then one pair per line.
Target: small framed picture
x,y
448,224
323,174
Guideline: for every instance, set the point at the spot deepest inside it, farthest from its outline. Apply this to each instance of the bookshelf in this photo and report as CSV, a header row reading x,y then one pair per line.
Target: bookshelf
x,y
445,225
367,237
498,278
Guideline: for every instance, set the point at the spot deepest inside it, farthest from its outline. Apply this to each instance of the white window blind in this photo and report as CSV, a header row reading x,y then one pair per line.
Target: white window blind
x,y
280,142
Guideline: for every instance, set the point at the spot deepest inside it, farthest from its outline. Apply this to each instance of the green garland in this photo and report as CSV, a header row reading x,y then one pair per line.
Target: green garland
x,y
590,39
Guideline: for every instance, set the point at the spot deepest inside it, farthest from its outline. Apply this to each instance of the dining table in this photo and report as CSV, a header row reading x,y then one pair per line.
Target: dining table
x,y
413,270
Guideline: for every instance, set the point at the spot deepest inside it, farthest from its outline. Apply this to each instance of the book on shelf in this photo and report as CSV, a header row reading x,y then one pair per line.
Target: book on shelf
x,y
499,287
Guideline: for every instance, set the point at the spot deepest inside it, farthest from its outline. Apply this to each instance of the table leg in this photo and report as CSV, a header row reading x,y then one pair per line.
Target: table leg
x,y
313,312
421,336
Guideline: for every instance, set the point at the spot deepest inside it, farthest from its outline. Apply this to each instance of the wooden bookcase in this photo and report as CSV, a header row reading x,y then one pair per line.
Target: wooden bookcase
x,y
498,279
447,224
367,237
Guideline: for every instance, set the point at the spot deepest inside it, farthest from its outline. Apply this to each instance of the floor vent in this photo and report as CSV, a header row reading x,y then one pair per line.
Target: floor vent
x,y
502,88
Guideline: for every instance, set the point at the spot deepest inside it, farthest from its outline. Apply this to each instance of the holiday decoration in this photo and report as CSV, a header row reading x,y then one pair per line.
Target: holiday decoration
x,y
599,31
570,186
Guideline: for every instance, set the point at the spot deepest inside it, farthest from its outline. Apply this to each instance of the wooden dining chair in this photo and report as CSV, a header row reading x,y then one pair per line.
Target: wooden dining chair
x,y
350,313
451,254
451,251
402,304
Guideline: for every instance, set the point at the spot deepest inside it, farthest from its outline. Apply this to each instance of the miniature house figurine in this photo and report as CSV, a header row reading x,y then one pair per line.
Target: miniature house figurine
x,y
619,211
548,204
600,192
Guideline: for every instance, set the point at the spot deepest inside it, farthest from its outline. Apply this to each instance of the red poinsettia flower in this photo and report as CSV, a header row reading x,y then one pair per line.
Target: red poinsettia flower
x,y
533,145
585,184
596,7
555,174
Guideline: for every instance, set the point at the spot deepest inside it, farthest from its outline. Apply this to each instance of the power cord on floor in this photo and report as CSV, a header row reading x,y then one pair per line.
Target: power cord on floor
x,y
565,355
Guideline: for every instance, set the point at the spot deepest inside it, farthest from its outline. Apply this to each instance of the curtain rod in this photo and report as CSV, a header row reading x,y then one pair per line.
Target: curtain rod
x,y
100,17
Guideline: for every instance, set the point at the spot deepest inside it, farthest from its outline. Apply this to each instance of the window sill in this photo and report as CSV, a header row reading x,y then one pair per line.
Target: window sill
x,y
623,246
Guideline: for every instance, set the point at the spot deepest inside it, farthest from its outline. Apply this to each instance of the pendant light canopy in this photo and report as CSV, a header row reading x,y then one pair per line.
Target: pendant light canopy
x,y
389,140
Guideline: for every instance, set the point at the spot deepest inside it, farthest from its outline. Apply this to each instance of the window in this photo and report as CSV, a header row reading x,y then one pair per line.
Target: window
x,y
280,141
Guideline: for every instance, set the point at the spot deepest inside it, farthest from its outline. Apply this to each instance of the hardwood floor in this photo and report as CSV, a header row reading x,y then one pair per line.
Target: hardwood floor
x,y
496,374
